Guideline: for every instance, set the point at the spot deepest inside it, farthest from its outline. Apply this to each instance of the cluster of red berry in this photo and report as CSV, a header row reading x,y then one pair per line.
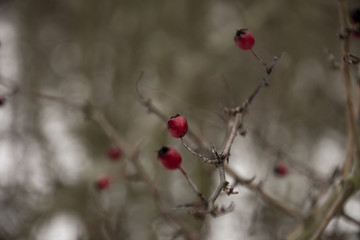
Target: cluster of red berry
x,y
114,153
168,156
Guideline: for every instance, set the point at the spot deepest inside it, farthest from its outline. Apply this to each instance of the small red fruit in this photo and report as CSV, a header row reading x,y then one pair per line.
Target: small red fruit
x,y
281,170
102,183
114,153
177,126
169,158
244,39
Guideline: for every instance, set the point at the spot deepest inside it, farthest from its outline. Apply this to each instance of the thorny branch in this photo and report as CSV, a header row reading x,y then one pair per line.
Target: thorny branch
x,y
132,153
353,150
147,103
350,218
316,222
205,159
238,114
266,196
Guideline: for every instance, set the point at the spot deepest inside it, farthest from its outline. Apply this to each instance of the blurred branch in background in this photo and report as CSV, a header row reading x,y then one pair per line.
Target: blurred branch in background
x,y
70,92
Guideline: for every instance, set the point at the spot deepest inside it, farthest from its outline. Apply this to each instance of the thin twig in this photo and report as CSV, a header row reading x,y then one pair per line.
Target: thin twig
x,y
350,218
231,138
264,195
51,98
147,103
192,184
353,140
331,212
259,59
222,182
111,133
227,87
205,159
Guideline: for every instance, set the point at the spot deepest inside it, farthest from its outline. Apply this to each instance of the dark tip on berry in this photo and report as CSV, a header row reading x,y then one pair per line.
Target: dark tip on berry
x,y
241,32
175,116
164,150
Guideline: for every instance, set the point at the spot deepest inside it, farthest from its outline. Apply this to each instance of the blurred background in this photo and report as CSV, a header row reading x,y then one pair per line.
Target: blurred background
x,y
94,51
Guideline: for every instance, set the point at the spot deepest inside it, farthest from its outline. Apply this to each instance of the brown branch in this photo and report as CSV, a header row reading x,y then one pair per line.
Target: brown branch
x,y
315,223
350,218
259,59
264,195
192,185
222,182
147,103
239,113
205,159
128,150
332,211
112,134
353,140
48,97
227,87
230,140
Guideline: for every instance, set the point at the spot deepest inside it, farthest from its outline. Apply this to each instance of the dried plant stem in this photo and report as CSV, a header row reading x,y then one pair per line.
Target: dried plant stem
x,y
147,103
131,152
51,98
264,195
350,218
220,186
205,159
331,212
238,114
192,184
259,59
353,139
230,140
164,209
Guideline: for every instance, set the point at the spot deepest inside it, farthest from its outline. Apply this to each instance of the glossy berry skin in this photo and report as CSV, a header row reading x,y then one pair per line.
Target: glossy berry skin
x,y
114,153
281,170
102,183
244,39
169,158
177,126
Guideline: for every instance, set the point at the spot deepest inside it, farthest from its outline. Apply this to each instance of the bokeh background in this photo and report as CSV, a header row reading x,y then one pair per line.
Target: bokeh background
x,y
94,51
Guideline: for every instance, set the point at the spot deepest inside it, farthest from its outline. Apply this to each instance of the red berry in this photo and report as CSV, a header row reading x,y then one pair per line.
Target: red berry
x,y
114,153
244,39
169,158
281,170
2,100
177,126
102,183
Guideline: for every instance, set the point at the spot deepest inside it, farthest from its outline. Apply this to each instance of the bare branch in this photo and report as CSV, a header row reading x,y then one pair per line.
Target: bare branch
x,y
192,185
146,102
205,159
350,218
353,139
267,197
